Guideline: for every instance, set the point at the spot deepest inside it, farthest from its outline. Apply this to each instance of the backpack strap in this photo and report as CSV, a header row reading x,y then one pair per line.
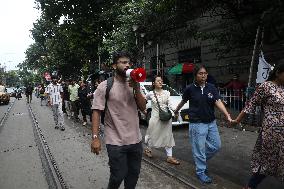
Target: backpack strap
x,y
109,85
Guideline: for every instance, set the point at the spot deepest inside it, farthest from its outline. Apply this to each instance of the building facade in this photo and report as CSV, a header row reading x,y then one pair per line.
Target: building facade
x,y
160,56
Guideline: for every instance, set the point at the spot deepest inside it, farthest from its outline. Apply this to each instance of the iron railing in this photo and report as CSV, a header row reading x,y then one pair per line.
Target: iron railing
x,y
235,101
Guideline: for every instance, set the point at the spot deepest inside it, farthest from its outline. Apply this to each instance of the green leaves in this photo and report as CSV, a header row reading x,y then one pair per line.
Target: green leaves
x,y
73,34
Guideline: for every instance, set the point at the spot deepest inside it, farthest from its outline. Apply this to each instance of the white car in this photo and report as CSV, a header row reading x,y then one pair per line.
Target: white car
x,y
175,99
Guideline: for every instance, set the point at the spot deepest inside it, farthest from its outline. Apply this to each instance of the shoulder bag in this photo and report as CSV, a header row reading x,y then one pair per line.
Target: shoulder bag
x,y
163,115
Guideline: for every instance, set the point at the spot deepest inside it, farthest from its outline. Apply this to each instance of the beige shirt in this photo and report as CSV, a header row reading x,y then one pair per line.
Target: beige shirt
x,y
73,90
121,116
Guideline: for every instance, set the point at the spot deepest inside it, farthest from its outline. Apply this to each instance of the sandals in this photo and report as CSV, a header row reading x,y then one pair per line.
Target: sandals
x,y
148,153
173,161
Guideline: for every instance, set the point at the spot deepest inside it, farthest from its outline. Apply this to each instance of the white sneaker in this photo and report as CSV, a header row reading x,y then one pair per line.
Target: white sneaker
x,y
84,123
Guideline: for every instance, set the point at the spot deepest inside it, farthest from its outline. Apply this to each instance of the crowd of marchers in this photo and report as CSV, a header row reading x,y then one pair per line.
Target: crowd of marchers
x,y
117,100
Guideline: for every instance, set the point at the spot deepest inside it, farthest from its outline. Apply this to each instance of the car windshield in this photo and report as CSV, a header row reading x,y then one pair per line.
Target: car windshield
x,y
165,87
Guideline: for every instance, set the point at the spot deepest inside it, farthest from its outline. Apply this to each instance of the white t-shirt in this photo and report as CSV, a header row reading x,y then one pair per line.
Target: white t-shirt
x,y
54,92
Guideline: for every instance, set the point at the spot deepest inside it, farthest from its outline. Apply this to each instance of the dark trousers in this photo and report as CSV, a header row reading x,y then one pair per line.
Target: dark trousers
x,y
85,107
75,108
125,164
255,180
29,97
84,115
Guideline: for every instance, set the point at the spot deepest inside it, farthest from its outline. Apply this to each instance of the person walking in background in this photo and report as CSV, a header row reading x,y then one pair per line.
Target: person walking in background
x,y
236,88
122,133
36,89
159,133
29,92
66,98
18,92
73,91
84,101
268,153
42,93
55,93
2,87
203,131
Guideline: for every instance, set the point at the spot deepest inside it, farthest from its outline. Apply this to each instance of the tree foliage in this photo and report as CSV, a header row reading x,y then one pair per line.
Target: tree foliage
x,y
71,34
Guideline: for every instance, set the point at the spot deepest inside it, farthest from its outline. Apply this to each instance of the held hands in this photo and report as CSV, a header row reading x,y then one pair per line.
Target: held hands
x,y
232,122
96,146
235,122
229,119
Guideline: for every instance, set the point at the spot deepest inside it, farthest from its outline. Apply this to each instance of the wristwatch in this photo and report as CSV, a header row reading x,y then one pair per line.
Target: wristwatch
x,y
95,136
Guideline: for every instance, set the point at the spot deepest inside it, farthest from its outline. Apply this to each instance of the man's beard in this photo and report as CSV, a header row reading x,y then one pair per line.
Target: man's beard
x,y
121,73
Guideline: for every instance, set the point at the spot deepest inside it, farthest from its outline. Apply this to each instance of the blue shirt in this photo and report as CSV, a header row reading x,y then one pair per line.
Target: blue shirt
x,y
201,102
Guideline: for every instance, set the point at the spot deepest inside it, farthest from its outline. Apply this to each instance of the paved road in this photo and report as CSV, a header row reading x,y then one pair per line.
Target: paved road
x,y
3,109
20,163
232,163
82,169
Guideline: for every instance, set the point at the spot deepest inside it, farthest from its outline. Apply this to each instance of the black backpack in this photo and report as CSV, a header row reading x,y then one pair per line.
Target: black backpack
x,y
109,85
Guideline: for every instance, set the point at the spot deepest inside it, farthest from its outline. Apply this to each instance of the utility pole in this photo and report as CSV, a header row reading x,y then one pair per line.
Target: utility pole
x,y
256,41
157,54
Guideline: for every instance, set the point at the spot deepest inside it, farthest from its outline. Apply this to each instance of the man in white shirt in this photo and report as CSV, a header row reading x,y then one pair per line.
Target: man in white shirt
x,y
54,91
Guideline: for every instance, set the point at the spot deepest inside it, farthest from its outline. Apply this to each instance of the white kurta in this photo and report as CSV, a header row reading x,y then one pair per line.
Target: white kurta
x,y
159,133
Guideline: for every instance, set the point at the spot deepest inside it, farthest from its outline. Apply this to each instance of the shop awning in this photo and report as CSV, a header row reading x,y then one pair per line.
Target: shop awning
x,y
182,68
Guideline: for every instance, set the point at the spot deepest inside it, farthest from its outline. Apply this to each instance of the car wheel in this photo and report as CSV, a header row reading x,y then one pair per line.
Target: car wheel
x,y
148,116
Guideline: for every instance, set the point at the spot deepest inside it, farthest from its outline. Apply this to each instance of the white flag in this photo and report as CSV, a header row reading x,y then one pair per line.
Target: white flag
x,y
263,69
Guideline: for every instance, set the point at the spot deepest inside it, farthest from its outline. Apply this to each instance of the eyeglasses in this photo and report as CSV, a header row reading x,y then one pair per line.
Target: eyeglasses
x,y
202,73
124,62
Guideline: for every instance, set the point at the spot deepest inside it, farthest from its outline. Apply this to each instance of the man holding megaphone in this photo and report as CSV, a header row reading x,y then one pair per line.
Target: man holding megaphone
x,y
122,133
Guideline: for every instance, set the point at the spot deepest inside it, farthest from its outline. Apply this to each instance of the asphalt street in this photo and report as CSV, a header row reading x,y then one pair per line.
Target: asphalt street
x,y
20,162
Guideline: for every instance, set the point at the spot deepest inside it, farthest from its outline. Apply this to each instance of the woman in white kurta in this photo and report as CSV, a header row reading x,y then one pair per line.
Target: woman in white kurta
x,y
159,133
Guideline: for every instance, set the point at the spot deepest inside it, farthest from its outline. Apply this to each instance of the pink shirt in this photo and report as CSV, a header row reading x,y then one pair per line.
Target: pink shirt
x,y
121,116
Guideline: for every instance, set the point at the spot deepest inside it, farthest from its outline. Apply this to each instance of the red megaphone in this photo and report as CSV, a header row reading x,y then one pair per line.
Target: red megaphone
x,y
137,74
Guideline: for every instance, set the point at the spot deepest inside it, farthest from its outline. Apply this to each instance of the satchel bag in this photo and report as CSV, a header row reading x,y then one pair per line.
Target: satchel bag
x,y
163,115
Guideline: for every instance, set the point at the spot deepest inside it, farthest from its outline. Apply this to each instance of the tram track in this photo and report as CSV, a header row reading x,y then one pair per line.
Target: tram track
x,y
178,177
6,114
171,174
53,175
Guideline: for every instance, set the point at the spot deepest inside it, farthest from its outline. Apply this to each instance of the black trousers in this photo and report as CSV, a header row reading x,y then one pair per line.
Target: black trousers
x,y
255,180
125,164
75,106
29,97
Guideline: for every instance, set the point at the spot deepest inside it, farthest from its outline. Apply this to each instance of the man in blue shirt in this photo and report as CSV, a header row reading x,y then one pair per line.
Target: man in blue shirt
x,y
203,131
